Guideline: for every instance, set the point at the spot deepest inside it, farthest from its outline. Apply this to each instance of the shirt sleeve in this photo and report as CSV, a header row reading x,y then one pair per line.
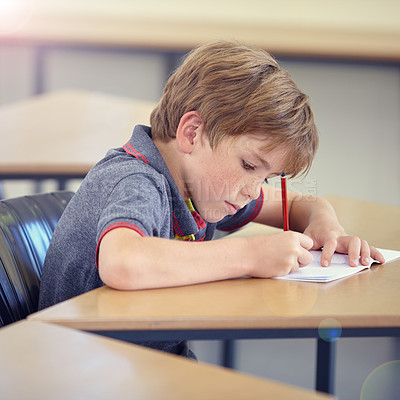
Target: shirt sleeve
x,y
245,215
137,202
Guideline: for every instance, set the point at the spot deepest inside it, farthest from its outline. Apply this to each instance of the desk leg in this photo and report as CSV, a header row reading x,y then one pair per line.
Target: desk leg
x,y
37,186
228,353
62,183
325,374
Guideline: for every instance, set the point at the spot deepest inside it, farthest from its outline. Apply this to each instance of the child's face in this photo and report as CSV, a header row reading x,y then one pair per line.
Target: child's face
x,y
227,178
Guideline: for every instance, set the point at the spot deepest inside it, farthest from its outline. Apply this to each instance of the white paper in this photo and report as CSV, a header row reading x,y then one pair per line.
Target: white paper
x,y
339,268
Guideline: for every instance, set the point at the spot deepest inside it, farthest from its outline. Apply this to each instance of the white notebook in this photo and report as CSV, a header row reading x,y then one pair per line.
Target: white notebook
x,y
339,267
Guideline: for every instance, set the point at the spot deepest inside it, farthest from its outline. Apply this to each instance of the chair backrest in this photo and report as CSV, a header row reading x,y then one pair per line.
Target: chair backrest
x,y
26,226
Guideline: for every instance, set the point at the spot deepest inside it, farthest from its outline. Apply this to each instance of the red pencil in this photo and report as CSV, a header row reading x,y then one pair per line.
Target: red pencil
x,y
284,203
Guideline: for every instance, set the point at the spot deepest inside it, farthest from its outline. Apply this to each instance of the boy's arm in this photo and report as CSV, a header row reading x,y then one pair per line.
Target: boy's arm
x,y
316,218
128,261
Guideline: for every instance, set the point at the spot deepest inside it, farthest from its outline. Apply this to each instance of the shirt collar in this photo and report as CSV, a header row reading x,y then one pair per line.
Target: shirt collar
x,y
186,221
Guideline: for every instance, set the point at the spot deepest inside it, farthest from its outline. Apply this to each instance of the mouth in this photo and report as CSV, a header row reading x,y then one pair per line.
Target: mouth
x,y
232,208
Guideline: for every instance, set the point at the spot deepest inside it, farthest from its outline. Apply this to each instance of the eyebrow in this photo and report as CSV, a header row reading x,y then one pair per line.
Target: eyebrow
x,y
260,159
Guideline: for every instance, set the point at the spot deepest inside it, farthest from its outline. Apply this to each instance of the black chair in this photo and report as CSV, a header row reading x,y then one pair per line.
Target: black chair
x,y
26,226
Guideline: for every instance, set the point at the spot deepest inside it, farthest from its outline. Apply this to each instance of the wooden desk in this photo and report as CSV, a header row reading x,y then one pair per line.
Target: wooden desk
x,y
366,304
63,134
40,361
369,299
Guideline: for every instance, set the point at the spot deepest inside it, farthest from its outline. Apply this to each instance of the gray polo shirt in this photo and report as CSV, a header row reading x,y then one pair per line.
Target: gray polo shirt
x,y
130,187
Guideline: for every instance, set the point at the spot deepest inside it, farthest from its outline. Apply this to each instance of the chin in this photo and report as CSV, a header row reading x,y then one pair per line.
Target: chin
x,y
213,220
213,217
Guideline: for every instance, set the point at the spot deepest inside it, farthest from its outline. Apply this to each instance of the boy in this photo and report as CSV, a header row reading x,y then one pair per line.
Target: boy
x,y
229,119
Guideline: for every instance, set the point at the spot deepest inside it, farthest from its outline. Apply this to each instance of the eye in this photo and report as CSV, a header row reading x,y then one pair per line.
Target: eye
x,y
247,165
266,181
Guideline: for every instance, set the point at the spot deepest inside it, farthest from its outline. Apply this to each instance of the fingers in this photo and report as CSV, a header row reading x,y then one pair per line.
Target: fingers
x,y
359,251
328,251
305,241
298,245
365,253
376,255
304,258
354,248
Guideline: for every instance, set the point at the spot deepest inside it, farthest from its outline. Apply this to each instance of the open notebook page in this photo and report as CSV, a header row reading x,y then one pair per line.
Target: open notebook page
x,y
339,267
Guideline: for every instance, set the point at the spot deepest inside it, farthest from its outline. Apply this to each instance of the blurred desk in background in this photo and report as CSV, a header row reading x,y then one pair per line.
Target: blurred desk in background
x,y
353,30
349,30
61,135
377,223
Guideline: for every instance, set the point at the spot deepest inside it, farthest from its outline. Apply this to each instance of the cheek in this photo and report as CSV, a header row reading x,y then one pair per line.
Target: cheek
x,y
225,186
220,178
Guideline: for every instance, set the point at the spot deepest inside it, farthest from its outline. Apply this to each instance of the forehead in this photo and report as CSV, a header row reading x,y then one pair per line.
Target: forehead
x,y
260,144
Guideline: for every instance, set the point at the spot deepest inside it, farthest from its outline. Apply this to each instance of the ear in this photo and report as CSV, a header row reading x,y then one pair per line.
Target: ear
x,y
189,131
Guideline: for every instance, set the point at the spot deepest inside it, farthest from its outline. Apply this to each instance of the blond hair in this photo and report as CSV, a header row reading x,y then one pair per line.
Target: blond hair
x,y
237,89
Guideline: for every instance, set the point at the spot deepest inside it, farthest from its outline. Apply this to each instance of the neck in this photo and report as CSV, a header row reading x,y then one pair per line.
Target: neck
x,y
173,159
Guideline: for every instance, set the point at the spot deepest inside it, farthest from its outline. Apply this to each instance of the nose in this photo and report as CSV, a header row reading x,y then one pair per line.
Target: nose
x,y
252,190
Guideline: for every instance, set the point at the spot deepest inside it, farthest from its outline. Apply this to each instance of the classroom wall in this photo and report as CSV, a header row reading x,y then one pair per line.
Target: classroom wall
x,y
356,106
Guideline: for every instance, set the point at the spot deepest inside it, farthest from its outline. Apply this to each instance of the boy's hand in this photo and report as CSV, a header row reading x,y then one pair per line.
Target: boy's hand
x,y
331,237
278,254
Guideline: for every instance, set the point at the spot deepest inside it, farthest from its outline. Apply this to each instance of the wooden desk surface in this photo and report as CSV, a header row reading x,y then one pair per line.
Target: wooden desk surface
x,y
370,298
367,299
40,361
66,131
